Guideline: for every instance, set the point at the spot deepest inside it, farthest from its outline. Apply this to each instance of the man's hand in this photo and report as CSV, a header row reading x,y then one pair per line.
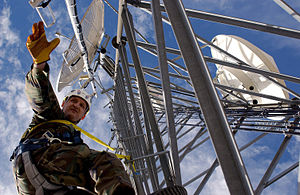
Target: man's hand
x,y
37,44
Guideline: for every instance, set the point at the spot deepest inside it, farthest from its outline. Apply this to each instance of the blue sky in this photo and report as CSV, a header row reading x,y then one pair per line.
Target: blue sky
x,y
17,17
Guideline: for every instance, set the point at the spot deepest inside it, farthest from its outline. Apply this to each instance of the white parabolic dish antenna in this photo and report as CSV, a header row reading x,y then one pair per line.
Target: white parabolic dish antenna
x,y
92,29
256,58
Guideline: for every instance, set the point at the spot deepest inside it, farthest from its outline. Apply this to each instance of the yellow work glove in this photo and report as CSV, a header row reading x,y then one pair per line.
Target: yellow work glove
x,y
37,44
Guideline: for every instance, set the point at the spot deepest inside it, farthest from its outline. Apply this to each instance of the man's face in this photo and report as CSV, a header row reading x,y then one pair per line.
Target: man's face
x,y
74,109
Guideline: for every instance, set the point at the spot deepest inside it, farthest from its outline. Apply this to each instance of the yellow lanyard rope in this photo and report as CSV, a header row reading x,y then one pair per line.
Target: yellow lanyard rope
x,y
84,132
87,134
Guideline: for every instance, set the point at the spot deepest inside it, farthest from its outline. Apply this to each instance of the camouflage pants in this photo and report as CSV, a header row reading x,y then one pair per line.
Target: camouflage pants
x,y
75,165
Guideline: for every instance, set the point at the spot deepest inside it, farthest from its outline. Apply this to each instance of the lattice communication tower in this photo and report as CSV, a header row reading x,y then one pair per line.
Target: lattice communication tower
x,y
173,114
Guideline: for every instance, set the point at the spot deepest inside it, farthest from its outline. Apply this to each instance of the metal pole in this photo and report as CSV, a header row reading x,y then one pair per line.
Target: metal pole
x,y
137,122
207,176
143,91
127,131
254,70
119,31
233,65
241,149
71,5
269,28
288,9
152,46
223,87
224,143
191,143
283,173
256,94
245,67
272,165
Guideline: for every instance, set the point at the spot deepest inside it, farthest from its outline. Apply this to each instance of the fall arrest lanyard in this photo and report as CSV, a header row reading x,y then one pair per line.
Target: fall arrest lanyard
x,y
85,133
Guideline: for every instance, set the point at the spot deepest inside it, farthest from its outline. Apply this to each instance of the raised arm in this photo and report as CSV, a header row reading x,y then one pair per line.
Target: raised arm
x,y
38,88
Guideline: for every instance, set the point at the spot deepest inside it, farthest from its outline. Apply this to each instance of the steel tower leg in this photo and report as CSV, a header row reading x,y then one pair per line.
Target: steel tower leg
x,y
269,28
119,31
144,94
150,162
164,74
220,132
125,128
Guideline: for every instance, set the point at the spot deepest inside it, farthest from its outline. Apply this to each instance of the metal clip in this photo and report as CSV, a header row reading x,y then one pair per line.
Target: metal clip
x,y
53,139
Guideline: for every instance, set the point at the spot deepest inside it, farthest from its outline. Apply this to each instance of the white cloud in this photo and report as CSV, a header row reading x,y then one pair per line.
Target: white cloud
x,y
17,111
142,22
2,53
8,35
294,151
254,151
216,184
99,128
14,61
106,80
9,40
8,189
284,185
197,162
15,115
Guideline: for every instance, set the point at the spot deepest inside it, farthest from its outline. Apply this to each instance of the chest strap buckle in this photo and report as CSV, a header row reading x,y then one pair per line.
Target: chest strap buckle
x,y
48,135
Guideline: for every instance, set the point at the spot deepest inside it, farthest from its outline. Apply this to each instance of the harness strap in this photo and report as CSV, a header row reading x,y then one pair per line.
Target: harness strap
x,y
83,131
37,180
93,138
75,127
47,138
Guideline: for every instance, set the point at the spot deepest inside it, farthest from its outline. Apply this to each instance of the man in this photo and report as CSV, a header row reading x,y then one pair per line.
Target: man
x,y
51,157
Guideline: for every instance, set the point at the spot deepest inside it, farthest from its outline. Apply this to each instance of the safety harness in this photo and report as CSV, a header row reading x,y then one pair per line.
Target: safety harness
x,y
28,145
38,180
47,139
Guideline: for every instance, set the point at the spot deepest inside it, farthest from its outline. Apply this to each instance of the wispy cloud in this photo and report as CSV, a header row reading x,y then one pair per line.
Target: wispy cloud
x,y
8,189
15,116
15,112
199,161
9,39
142,22
9,36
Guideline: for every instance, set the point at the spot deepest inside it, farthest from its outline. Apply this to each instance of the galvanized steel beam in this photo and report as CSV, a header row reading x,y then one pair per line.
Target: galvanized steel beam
x,y
269,28
224,143
150,162
143,91
273,164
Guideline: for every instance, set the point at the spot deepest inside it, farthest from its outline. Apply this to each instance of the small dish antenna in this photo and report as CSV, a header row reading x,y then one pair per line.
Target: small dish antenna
x,y
93,31
253,56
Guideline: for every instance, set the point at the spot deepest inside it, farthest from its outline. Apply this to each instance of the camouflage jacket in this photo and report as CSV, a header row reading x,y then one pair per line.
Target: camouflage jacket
x,y
44,103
